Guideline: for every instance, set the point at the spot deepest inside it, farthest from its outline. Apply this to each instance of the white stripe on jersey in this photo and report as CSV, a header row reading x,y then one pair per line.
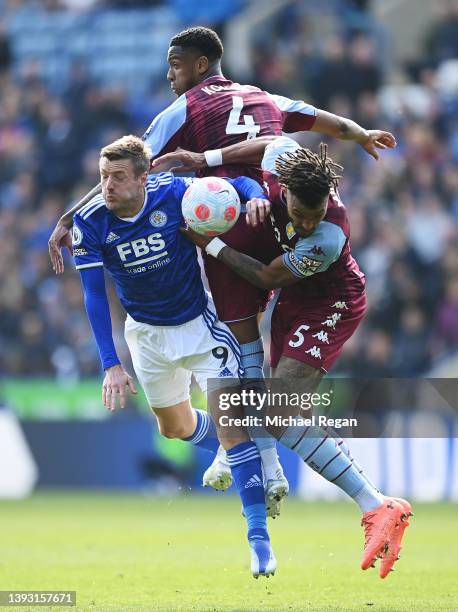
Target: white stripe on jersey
x,y
292,106
155,183
90,265
89,212
95,200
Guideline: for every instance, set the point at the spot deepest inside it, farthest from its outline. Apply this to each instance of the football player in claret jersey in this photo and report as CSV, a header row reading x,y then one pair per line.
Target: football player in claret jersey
x,y
321,303
212,112
171,329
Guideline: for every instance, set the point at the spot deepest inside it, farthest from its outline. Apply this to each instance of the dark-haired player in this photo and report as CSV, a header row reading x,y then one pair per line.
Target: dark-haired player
x,y
321,303
213,112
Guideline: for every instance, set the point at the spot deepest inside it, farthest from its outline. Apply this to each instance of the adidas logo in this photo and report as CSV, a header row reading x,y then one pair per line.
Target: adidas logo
x,y
254,481
111,237
225,373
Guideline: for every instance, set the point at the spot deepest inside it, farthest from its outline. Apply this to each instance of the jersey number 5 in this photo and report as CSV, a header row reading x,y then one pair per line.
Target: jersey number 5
x,y
300,336
248,127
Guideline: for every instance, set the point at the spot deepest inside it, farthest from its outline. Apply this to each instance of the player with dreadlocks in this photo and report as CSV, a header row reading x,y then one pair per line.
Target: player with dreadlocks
x,y
320,305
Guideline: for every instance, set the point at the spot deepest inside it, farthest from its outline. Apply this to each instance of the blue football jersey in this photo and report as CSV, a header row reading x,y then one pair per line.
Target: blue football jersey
x,y
154,268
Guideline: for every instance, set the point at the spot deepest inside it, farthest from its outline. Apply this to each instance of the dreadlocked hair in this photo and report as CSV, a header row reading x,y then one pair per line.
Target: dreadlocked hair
x,y
309,176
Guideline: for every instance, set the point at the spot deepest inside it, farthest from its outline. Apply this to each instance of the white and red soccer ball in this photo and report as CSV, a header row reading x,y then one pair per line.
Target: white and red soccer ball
x,y
210,206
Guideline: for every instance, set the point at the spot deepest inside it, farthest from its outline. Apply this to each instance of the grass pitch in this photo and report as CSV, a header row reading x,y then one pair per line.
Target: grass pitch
x,y
124,552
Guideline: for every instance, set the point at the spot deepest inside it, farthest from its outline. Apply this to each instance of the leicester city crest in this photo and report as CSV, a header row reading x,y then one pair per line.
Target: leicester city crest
x,y
158,218
77,236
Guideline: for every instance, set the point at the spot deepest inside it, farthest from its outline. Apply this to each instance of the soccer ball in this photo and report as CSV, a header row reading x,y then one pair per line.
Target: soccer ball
x,y
210,206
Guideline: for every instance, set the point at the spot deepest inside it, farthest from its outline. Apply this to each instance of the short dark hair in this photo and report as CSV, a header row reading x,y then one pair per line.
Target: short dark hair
x,y
206,41
309,176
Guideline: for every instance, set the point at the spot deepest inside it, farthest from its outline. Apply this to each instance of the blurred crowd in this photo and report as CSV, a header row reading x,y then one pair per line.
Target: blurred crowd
x,y
403,209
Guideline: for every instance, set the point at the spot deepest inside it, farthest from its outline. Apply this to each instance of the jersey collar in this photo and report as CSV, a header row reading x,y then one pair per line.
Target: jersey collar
x,y
138,215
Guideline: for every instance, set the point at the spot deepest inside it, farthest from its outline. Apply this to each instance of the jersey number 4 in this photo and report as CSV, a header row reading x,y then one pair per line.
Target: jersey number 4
x,y
248,127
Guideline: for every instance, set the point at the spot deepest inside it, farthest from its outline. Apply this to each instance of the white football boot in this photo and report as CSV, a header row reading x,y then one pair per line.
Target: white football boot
x,y
218,475
263,562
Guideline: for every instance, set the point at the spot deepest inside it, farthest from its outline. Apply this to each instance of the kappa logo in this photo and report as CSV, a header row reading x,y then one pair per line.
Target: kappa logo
x,y
322,336
254,481
225,373
315,351
111,237
316,250
158,218
340,305
331,321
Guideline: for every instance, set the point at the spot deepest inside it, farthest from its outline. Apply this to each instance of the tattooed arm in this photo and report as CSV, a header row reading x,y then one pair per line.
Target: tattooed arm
x,y
346,129
272,276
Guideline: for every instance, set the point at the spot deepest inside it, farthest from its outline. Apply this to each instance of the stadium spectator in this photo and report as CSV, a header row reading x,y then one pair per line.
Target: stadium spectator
x,y
403,210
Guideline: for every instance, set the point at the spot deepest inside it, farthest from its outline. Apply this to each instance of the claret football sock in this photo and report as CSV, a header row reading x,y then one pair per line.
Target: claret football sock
x,y
247,474
320,451
205,432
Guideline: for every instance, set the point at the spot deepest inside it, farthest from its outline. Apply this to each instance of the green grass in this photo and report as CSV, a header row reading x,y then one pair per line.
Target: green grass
x,y
189,553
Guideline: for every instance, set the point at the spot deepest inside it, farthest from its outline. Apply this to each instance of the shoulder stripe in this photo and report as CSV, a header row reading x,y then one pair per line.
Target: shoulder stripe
x,y
92,210
292,106
95,264
165,125
154,186
164,176
95,200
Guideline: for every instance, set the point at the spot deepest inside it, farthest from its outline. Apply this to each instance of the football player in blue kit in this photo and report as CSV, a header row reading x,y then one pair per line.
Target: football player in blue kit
x,y
172,331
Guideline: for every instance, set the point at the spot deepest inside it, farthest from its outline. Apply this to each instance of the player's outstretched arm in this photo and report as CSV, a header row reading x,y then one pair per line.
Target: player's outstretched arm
x,y
98,311
61,235
346,129
246,152
273,276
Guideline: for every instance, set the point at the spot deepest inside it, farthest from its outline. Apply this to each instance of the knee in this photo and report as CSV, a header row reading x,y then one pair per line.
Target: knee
x,y
175,431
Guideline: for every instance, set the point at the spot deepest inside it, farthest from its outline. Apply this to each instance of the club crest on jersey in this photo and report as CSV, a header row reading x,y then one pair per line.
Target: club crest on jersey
x,y
158,218
290,231
77,236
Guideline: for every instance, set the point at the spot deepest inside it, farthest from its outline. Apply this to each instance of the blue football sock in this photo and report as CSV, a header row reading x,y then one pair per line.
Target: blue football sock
x,y
322,453
205,433
252,362
246,469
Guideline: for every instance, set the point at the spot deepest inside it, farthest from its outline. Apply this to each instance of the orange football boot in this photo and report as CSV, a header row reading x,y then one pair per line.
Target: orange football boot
x,y
390,557
379,528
